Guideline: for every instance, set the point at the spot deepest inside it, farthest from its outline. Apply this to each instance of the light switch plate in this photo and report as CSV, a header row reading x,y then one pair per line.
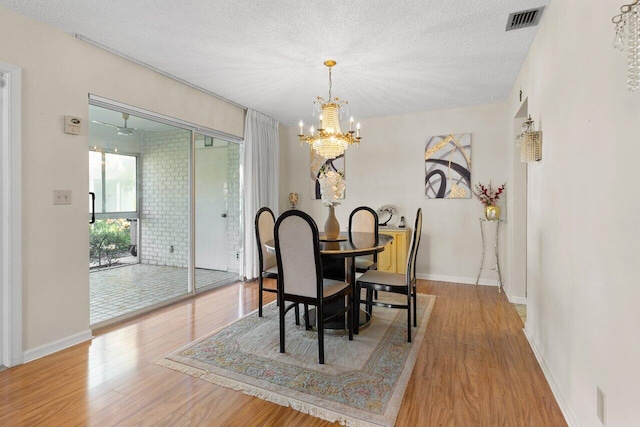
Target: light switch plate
x,y
61,197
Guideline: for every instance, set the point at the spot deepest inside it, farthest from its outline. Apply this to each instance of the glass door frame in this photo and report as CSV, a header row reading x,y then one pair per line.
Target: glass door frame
x,y
193,128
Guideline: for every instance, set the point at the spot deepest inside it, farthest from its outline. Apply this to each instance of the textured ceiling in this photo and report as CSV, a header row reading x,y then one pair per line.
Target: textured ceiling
x,y
394,57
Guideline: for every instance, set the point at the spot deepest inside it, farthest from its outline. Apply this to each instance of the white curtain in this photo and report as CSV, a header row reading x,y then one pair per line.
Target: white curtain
x,y
261,166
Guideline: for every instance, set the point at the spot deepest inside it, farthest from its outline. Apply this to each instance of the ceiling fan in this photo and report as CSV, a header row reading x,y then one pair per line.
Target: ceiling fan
x,y
122,130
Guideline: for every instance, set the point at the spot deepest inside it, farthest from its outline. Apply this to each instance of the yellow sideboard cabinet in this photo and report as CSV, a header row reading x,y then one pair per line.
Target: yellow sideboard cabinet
x,y
394,257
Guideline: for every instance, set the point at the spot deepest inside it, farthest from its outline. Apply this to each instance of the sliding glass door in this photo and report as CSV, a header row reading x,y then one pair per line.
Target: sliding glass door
x,y
167,208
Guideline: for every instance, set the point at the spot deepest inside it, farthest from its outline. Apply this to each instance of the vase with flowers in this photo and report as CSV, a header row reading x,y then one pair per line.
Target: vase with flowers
x,y
332,191
489,197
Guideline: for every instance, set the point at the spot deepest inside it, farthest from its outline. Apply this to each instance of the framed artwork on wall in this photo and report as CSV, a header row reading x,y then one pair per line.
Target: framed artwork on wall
x,y
447,166
319,164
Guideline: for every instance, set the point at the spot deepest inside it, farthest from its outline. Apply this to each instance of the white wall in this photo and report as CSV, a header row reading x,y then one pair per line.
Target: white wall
x,y
388,168
583,233
59,72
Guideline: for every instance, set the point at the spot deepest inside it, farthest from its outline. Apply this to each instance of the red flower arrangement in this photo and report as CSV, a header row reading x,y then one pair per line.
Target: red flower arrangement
x,y
487,195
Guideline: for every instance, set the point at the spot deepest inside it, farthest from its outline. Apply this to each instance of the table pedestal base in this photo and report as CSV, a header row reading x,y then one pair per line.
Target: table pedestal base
x,y
338,326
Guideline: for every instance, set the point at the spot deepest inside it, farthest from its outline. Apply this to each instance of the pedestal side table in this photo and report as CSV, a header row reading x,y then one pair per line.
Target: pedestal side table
x,y
496,267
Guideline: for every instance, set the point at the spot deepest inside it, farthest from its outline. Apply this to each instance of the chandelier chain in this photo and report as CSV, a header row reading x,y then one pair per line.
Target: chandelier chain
x,y
330,83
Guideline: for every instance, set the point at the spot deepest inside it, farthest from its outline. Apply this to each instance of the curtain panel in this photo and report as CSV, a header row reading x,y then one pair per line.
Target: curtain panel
x,y
261,175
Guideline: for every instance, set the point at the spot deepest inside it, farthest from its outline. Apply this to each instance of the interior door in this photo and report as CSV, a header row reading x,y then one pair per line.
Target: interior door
x,y
211,190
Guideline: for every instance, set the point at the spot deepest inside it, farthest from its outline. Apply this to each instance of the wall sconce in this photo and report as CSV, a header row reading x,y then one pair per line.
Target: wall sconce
x,y
530,141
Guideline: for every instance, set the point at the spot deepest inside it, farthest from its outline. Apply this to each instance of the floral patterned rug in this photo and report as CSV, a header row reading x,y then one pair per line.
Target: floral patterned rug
x,y
362,382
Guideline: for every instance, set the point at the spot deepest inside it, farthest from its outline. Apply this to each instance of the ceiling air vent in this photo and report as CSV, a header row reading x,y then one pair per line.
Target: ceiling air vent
x,y
524,19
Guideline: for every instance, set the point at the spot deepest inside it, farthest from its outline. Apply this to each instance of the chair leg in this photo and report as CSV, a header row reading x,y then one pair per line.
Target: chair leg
x,y
260,295
415,307
296,309
409,317
320,335
281,310
351,317
370,302
355,310
307,321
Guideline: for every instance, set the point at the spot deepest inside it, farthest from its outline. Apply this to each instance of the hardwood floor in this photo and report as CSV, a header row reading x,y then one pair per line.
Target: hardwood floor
x,y
475,368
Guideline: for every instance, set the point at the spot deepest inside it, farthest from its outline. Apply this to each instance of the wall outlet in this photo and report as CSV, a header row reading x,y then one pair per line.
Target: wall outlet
x,y
601,405
61,197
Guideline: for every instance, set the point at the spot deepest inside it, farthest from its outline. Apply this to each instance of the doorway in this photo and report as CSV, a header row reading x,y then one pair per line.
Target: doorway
x,y
517,216
165,204
217,234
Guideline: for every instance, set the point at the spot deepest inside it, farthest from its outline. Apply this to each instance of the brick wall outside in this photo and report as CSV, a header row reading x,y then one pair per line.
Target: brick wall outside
x,y
164,218
165,198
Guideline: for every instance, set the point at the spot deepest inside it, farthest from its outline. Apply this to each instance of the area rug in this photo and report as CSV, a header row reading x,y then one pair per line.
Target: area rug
x,y
362,382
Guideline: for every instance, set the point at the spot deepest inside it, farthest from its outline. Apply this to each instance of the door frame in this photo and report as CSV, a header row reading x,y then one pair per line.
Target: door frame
x,y
11,228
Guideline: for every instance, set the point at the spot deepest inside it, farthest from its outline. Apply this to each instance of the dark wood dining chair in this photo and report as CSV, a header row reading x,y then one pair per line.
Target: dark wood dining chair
x,y
363,219
264,223
381,281
300,274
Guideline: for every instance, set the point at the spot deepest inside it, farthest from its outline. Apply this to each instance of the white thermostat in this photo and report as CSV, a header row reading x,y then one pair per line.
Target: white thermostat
x,y
72,125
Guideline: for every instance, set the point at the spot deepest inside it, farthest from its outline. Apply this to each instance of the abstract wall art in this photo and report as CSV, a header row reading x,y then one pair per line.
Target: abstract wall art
x,y
320,164
447,165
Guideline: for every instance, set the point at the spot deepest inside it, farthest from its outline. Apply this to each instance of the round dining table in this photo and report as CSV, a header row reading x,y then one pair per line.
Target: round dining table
x,y
338,256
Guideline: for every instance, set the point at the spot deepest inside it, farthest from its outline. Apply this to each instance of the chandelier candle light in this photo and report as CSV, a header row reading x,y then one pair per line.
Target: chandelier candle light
x,y
329,141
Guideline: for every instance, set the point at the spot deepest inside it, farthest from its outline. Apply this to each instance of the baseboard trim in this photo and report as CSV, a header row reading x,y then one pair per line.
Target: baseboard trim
x,y
570,416
457,279
514,300
56,346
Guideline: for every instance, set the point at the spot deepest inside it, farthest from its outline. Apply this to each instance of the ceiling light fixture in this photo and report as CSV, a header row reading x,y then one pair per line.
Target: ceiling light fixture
x,y
627,31
329,141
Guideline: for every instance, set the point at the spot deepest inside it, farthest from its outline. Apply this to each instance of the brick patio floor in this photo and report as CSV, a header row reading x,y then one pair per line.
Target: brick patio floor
x,y
123,290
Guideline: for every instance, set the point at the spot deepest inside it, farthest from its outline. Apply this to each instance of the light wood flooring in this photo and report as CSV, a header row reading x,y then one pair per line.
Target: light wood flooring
x,y
475,368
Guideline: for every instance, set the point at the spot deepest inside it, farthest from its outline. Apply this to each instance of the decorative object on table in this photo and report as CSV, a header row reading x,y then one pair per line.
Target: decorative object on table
x,y
332,190
244,356
447,161
627,31
386,210
402,223
293,200
319,165
489,197
530,141
329,141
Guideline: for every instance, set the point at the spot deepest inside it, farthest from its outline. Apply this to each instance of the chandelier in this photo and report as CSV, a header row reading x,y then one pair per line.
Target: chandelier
x,y
329,141
627,31
530,141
